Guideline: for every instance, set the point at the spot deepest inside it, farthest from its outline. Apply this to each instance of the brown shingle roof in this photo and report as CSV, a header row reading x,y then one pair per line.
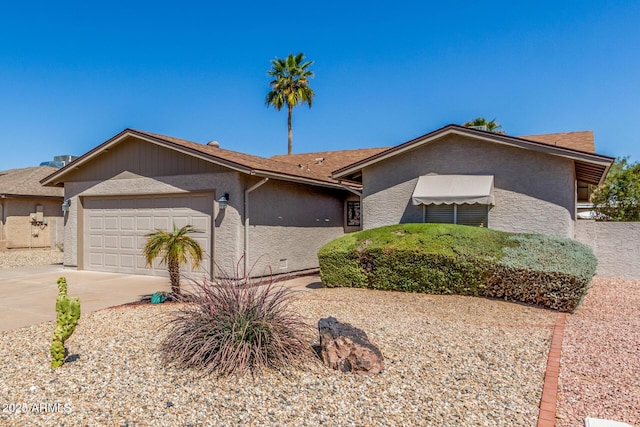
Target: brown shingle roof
x,y
26,182
325,162
311,166
582,140
246,161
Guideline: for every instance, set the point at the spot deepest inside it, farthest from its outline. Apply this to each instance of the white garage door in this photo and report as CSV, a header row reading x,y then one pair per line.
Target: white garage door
x,y
115,229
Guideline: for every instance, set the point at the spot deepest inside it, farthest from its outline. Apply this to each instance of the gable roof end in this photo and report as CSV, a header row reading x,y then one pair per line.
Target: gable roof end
x,y
245,163
590,167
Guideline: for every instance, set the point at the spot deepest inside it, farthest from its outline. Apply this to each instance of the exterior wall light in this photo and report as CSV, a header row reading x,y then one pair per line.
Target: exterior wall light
x,y
223,201
65,205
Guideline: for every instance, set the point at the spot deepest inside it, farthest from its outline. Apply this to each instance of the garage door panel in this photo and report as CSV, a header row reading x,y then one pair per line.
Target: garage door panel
x,y
96,259
141,262
127,242
202,241
95,242
141,241
115,230
144,224
110,223
200,223
110,260
181,221
162,223
111,242
127,223
127,261
96,223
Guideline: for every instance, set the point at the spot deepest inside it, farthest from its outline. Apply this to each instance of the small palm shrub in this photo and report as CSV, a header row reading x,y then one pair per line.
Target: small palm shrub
x,y
228,328
174,248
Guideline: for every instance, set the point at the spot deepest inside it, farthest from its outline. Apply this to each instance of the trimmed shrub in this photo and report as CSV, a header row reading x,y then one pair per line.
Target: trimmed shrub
x,y
544,270
341,265
232,328
549,271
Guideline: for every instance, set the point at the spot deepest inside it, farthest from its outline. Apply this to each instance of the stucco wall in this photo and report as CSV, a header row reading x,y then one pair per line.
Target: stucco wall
x,y
534,192
19,231
289,224
227,223
615,244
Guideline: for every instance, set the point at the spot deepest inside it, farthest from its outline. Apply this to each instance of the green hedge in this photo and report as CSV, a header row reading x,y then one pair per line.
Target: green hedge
x,y
548,271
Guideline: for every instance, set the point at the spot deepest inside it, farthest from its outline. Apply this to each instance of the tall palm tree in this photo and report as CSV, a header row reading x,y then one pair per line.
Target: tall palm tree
x,y
175,248
490,125
290,85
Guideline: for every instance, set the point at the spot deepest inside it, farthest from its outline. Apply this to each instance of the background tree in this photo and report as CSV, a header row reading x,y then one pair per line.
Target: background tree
x,y
618,198
290,86
491,126
175,248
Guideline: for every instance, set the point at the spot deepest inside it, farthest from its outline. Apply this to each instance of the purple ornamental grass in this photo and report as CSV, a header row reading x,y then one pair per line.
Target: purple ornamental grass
x,y
230,328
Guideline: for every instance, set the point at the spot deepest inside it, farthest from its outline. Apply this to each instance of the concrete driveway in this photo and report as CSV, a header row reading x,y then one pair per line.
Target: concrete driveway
x,y
28,294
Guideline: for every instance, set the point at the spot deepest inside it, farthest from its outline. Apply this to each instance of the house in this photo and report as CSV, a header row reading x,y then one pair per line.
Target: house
x,y
260,216
30,214
529,184
256,215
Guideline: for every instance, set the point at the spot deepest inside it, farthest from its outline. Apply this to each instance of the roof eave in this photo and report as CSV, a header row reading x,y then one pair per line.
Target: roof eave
x,y
298,179
54,178
28,196
576,155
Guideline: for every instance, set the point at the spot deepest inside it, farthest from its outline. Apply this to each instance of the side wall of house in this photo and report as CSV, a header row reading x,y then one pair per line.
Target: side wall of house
x,y
289,223
615,244
18,229
534,192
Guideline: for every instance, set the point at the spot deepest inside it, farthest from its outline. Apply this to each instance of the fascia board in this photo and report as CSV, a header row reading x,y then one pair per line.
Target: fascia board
x,y
499,139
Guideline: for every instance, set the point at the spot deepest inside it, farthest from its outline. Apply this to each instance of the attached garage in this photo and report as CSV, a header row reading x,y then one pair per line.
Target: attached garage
x,y
115,229
274,215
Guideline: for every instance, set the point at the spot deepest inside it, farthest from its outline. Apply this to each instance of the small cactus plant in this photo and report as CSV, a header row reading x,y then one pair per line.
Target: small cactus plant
x,y
67,315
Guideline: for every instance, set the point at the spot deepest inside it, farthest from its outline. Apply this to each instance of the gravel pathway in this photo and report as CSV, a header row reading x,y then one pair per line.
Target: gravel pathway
x,y
21,258
600,363
450,361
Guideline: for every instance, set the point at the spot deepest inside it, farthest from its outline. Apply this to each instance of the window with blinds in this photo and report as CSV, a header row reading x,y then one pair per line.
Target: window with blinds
x,y
473,215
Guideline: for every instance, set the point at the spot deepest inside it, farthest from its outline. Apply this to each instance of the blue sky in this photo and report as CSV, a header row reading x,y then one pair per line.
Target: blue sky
x,y
73,74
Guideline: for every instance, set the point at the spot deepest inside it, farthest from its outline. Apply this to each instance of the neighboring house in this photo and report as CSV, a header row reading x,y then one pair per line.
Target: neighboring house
x,y
466,176
261,216
278,214
30,214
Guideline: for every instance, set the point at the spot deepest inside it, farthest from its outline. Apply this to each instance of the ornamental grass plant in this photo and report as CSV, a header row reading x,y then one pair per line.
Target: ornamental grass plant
x,y
230,327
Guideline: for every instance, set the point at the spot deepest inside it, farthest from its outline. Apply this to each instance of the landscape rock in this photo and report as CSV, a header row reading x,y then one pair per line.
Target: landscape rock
x,y
348,349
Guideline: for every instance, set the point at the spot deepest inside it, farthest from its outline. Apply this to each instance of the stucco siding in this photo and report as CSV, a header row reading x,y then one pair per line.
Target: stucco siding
x,y
534,192
18,229
615,244
289,224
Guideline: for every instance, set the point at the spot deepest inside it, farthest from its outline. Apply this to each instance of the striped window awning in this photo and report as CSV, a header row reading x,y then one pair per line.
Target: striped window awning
x,y
453,189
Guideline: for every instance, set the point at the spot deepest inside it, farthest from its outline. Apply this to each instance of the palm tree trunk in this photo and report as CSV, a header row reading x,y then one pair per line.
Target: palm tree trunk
x,y
174,276
290,130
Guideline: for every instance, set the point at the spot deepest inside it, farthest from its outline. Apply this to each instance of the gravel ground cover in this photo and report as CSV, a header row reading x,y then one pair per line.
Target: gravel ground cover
x,y
450,361
600,362
20,258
